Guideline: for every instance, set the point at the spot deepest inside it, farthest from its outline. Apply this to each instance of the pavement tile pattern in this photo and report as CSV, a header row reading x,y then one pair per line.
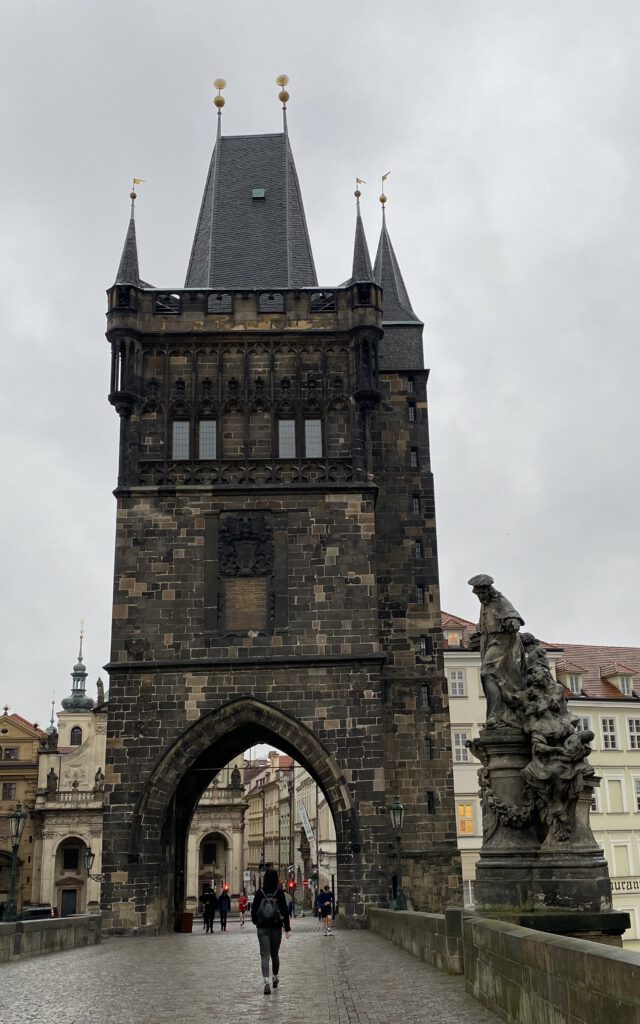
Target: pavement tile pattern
x,y
349,977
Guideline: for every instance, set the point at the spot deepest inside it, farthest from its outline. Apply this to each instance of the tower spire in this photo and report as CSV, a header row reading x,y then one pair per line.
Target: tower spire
x,y
128,271
361,270
401,345
78,701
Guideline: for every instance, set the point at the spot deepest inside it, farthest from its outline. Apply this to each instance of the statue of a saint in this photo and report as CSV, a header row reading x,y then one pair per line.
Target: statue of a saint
x,y
503,666
52,782
98,783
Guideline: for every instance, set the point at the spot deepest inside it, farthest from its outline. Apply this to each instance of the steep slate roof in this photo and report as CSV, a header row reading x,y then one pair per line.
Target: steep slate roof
x,y
247,242
362,270
395,300
128,272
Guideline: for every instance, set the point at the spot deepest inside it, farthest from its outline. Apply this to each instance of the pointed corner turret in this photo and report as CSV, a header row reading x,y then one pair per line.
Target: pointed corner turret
x,y
401,347
362,269
128,271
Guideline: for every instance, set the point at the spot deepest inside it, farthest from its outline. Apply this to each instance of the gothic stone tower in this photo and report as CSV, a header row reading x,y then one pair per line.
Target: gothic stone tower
x,y
276,575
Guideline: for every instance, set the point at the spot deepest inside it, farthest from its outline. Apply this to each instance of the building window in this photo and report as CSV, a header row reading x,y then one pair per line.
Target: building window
x,y
416,550
76,736
425,696
456,682
70,858
416,505
609,739
465,819
180,442
431,802
209,853
615,797
410,386
9,790
636,794
11,753
413,458
634,733
583,725
574,684
428,749
207,439
411,412
625,685
286,439
595,802
425,646
420,593
313,439
460,752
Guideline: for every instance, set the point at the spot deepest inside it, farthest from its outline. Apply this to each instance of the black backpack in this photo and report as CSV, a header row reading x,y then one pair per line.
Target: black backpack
x,y
268,914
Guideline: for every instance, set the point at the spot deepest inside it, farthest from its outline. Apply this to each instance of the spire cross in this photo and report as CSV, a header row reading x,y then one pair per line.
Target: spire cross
x,y
81,636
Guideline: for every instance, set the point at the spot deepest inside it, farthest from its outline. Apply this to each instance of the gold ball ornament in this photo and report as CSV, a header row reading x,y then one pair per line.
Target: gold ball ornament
x,y
357,193
383,199
282,80
218,102
219,83
283,95
133,195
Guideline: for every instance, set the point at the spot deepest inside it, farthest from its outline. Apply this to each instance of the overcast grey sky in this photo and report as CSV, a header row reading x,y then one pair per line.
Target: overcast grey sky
x,y
511,132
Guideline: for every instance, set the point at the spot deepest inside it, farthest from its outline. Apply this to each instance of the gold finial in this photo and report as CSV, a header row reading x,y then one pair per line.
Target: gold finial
x,y
218,100
358,193
383,198
283,95
133,195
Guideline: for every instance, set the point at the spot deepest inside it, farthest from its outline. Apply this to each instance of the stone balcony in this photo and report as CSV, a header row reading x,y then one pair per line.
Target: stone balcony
x,y
67,799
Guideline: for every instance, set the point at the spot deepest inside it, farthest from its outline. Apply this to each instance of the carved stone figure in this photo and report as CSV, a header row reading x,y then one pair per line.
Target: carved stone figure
x,y
558,770
236,781
52,740
503,664
246,545
52,782
98,783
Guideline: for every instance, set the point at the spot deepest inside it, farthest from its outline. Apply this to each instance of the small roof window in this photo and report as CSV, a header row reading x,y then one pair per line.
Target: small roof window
x,y
258,193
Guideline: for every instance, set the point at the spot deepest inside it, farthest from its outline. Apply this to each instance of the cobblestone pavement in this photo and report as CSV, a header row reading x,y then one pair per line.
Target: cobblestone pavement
x,y
350,977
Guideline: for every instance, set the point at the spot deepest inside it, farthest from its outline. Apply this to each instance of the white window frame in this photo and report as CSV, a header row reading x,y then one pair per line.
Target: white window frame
x,y
466,801
633,734
596,807
460,752
575,683
635,780
584,723
626,685
457,683
606,735
623,789
627,846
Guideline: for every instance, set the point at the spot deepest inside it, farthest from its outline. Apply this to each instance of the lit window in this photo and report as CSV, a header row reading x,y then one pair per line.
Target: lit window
x,y
609,739
416,550
413,457
625,685
76,736
313,439
207,439
411,412
456,682
287,439
453,637
416,505
460,752
574,684
8,790
634,733
180,447
465,819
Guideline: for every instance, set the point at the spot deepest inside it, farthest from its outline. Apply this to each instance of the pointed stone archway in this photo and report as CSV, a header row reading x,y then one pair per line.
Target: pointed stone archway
x,y
163,812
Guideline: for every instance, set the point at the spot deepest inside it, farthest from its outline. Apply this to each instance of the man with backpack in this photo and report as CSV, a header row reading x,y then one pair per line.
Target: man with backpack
x,y
270,915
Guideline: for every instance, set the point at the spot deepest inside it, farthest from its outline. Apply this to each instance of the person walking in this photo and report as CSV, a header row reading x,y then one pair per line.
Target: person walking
x,y
209,902
243,905
325,904
224,906
270,915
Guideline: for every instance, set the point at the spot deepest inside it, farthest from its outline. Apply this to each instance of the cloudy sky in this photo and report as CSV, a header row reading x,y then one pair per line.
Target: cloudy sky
x,y
511,132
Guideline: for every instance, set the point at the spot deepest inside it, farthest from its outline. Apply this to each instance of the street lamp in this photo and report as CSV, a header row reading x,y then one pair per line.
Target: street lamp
x,y
89,858
397,822
17,821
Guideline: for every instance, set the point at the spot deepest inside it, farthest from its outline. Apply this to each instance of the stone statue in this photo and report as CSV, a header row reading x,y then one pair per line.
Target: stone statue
x,y
558,770
236,781
503,667
52,782
52,741
98,784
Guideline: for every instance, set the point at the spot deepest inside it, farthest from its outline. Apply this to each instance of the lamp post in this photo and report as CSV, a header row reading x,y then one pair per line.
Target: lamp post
x,y
89,857
17,821
397,821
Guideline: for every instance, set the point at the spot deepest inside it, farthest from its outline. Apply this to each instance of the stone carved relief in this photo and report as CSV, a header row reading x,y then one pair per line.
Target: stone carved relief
x,y
245,545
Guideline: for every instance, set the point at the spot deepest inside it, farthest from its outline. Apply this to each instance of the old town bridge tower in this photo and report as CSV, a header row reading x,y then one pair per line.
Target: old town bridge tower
x,y
276,573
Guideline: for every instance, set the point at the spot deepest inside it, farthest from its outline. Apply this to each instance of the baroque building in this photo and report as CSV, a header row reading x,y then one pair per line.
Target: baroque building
x,y
19,742
276,575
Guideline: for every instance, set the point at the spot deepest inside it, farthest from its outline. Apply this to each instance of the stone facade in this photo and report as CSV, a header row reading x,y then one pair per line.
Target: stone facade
x,y
19,742
275,579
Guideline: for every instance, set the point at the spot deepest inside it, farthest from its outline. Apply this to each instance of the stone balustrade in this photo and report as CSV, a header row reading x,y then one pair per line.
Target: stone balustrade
x,y
22,939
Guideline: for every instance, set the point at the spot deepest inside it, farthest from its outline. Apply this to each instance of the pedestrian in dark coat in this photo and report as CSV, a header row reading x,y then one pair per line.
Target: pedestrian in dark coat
x,y
209,902
224,906
270,915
